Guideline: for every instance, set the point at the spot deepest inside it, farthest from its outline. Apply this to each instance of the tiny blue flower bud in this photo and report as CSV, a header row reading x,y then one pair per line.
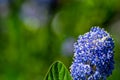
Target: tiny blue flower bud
x,y
93,56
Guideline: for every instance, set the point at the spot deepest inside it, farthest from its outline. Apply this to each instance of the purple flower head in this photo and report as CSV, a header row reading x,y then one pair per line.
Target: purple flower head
x,y
93,56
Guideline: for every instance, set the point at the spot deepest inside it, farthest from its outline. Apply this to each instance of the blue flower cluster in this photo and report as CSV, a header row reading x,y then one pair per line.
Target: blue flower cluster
x,y
93,56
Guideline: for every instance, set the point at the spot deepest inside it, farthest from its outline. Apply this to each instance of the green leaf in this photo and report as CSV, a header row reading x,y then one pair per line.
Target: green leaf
x,y
58,71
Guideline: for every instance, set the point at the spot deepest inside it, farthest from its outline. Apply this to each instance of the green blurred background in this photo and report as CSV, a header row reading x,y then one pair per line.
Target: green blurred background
x,y
35,33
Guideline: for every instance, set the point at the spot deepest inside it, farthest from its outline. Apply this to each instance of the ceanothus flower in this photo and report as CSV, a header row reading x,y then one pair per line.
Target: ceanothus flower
x,y
93,56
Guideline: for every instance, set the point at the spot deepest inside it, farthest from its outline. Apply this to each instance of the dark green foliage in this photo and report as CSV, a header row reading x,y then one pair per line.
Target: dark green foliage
x,y
58,71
